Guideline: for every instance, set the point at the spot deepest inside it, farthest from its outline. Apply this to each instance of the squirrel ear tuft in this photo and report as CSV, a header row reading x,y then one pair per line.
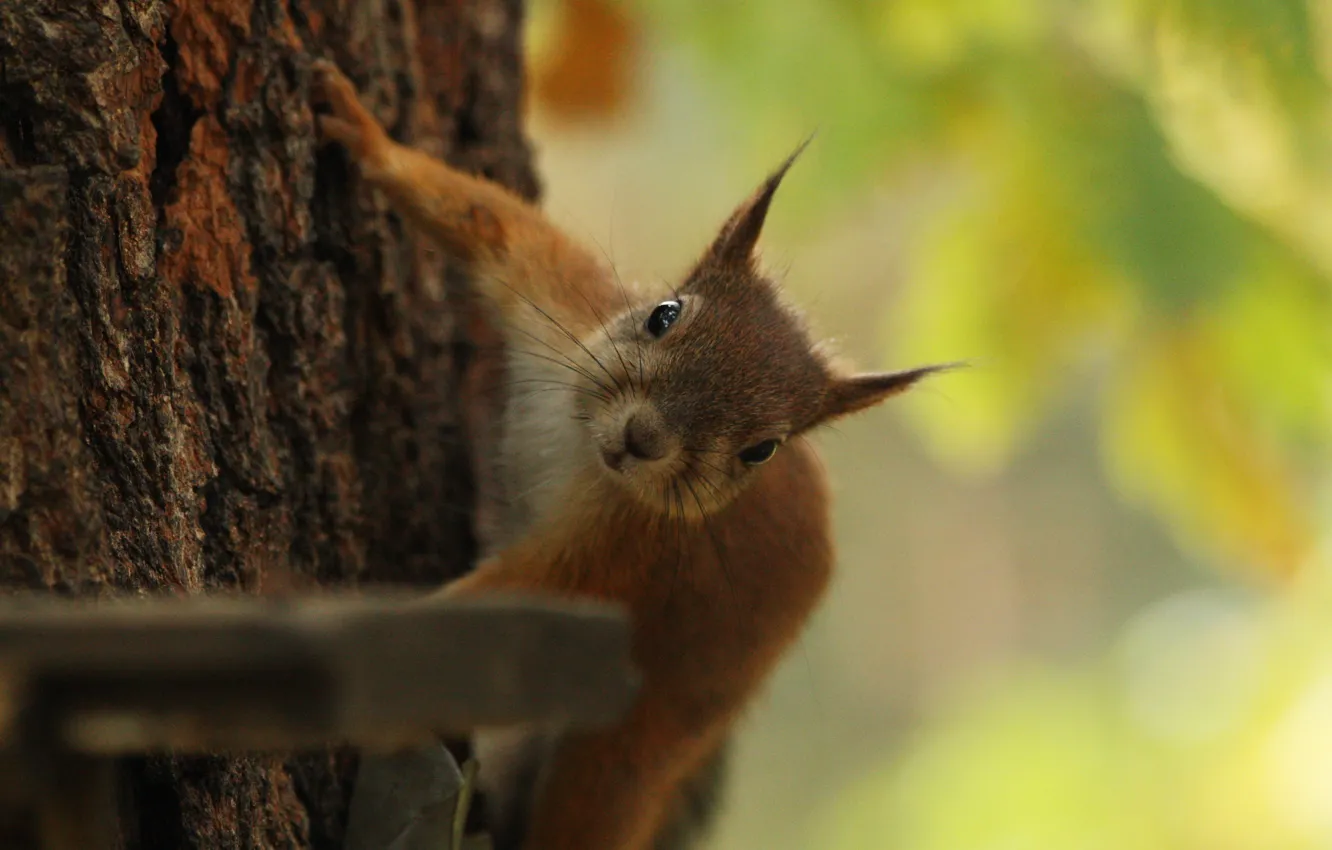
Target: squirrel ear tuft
x,y
734,245
857,392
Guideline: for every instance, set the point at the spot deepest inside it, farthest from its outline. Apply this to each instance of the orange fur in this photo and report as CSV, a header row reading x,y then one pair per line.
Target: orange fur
x,y
718,559
713,612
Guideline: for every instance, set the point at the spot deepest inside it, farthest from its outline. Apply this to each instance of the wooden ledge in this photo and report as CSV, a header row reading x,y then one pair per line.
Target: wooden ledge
x,y
193,674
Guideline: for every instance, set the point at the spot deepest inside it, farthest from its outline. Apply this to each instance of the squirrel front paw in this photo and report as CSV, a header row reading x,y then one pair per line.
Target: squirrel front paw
x,y
348,122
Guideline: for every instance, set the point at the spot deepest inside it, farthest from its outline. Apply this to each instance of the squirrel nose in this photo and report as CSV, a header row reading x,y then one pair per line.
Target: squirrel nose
x,y
644,439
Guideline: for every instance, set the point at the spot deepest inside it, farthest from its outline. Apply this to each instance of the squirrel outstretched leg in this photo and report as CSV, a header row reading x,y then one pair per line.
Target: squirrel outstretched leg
x,y
612,788
521,261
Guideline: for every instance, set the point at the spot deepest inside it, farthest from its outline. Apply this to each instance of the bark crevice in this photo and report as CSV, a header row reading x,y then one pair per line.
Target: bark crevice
x,y
173,120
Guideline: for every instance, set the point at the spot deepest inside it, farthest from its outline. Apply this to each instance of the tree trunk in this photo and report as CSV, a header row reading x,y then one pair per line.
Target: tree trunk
x,y
223,366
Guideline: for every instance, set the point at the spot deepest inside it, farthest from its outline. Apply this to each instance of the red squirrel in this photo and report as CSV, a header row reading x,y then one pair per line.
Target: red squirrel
x,y
657,453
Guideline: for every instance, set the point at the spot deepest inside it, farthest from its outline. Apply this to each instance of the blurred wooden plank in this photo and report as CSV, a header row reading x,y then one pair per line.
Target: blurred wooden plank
x,y
208,675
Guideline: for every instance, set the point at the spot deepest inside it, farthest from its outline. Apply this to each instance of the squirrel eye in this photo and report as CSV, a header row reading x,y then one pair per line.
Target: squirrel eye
x,y
759,452
663,317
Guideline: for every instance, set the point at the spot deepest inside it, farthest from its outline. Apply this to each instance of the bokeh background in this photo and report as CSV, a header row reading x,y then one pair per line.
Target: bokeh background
x,y
1084,598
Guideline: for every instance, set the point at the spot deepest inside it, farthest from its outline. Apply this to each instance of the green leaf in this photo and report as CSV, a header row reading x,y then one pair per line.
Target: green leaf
x,y
1274,40
1179,438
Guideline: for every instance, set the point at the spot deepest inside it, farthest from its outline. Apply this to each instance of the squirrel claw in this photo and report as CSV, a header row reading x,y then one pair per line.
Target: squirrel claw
x,y
330,85
348,121
336,130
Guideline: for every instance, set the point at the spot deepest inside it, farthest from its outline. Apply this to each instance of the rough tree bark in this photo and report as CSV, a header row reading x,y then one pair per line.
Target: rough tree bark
x,y
222,366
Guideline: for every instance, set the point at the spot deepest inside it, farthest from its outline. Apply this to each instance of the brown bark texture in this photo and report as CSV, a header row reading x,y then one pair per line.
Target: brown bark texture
x,y
224,366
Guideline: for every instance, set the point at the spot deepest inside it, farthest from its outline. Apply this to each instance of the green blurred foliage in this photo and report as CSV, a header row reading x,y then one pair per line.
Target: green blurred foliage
x,y
1137,191
1207,727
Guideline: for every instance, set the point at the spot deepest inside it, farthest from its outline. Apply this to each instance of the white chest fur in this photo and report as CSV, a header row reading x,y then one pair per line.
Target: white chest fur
x,y
542,447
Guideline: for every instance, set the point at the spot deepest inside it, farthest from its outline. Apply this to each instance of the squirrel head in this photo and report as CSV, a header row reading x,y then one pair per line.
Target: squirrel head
x,y
709,382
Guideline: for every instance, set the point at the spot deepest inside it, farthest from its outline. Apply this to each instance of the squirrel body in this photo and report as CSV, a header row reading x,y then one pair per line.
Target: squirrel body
x,y
655,450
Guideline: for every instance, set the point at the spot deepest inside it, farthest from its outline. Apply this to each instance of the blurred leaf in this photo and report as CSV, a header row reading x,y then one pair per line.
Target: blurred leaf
x,y
1179,438
1096,146
1002,285
585,61
1171,236
785,70
1087,239
1273,40
1272,341
938,34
